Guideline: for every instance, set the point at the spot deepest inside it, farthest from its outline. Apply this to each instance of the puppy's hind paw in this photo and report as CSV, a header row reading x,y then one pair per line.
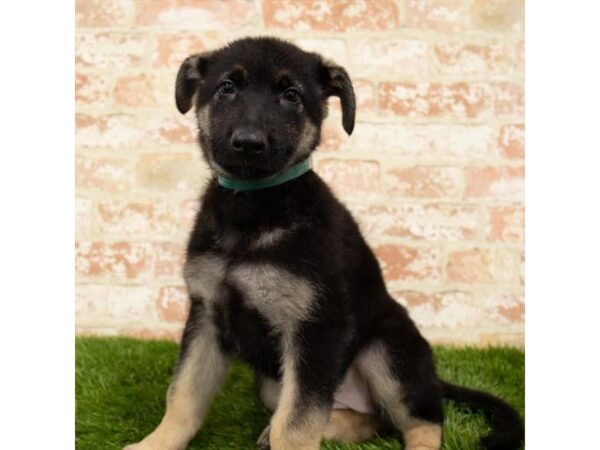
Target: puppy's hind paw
x,y
263,440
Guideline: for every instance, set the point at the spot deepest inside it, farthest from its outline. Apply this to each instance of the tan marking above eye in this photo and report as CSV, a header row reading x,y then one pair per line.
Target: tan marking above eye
x,y
282,75
241,72
283,80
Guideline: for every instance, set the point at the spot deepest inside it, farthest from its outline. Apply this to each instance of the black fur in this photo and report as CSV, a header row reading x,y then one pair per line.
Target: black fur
x,y
507,422
323,243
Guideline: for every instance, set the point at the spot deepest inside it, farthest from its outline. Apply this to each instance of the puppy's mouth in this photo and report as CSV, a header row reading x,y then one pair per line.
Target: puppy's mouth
x,y
245,171
248,168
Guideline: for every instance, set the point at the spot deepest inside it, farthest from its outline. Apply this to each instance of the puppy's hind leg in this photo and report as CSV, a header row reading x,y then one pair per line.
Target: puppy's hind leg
x,y
201,369
344,425
399,370
350,426
269,391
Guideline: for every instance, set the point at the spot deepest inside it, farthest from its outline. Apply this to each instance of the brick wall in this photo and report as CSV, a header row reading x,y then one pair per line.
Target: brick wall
x,y
434,171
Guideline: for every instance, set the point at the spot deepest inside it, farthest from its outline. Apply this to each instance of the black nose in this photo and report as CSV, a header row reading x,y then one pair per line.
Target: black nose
x,y
248,141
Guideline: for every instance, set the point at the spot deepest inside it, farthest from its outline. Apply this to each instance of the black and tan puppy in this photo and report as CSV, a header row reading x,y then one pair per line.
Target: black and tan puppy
x,y
279,274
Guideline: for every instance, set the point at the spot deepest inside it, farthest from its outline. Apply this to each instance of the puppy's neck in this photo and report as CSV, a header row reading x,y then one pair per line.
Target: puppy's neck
x,y
279,206
291,173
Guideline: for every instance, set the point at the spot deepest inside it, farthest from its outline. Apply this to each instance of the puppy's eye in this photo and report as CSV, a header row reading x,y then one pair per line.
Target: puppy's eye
x,y
292,95
227,88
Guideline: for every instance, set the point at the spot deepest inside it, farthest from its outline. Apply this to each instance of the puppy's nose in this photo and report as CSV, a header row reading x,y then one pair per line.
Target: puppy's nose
x,y
248,141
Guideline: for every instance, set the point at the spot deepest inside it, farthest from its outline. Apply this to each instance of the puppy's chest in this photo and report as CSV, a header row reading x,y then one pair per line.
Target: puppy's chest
x,y
278,295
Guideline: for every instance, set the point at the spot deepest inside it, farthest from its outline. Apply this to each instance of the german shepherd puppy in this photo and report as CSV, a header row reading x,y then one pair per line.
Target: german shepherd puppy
x,y
279,274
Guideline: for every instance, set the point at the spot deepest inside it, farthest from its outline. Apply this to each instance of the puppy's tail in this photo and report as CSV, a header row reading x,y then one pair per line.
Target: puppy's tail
x,y
508,431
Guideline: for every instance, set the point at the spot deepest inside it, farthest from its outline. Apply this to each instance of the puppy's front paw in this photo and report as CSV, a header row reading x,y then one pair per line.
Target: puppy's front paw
x,y
139,446
263,442
144,445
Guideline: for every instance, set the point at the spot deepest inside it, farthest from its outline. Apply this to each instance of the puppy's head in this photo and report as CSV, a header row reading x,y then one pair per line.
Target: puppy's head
x,y
260,103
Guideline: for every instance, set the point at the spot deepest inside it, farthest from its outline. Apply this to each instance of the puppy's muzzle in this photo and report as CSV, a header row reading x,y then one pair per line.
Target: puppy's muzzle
x,y
248,142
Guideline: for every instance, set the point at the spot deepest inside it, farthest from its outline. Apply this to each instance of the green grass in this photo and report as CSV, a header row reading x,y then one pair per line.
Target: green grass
x,y
121,385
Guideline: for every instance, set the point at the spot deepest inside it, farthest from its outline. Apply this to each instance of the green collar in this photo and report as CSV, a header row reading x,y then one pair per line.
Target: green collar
x,y
252,185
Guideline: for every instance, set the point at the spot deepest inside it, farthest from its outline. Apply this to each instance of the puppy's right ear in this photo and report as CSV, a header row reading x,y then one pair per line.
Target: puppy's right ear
x,y
188,81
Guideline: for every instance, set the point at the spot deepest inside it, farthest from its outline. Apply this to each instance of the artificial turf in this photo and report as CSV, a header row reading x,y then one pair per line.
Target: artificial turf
x,y
121,385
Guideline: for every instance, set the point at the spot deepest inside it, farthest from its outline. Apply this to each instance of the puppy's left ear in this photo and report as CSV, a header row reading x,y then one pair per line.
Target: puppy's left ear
x,y
189,78
337,83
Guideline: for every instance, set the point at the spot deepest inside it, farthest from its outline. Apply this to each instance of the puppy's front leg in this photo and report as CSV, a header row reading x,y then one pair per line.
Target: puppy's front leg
x,y
299,422
201,370
311,373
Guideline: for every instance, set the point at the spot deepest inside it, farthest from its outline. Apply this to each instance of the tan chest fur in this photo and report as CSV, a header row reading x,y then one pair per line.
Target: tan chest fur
x,y
281,297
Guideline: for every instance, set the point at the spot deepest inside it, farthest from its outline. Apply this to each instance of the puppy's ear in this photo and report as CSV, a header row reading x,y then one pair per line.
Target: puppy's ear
x,y
188,81
337,83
